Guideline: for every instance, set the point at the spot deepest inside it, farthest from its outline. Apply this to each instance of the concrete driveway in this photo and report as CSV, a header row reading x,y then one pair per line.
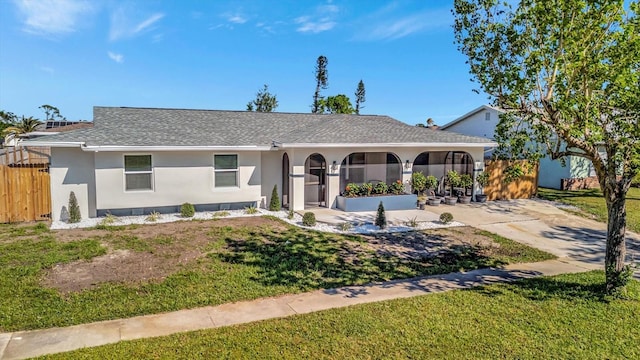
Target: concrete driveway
x,y
543,225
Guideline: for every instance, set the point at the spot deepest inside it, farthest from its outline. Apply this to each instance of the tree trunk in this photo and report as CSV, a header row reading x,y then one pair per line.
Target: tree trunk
x,y
616,223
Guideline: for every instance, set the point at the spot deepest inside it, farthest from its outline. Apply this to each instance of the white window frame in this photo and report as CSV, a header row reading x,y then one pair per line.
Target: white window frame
x,y
236,170
125,173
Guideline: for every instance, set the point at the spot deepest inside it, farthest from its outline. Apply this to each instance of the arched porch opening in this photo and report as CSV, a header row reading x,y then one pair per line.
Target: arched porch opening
x,y
370,167
438,163
315,181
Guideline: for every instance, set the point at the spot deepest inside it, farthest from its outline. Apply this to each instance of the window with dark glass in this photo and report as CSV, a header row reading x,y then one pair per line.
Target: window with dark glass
x,y
138,172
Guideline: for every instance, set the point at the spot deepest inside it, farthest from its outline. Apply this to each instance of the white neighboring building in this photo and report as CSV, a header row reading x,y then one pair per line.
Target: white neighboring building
x,y
482,121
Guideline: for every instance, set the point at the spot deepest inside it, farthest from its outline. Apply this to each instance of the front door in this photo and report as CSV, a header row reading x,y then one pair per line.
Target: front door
x,y
315,179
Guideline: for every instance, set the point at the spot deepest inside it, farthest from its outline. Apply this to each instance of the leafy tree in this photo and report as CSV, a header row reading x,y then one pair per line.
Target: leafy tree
x,y
264,101
321,83
339,104
25,125
7,119
360,96
51,113
567,74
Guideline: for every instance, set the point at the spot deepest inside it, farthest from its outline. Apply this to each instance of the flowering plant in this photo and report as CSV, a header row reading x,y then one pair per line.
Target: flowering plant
x,y
396,187
351,190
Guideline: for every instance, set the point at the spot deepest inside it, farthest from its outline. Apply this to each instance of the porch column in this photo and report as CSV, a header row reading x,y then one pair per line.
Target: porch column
x,y
407,170
333,185
296,192
478,167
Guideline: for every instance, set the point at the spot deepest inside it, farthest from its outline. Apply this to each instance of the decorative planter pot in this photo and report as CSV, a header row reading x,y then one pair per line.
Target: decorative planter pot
x,y
370,203
465,199
434,202
481,198
450,200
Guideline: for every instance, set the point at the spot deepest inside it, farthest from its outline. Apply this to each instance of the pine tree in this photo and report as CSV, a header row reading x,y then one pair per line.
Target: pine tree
x,y
264,101
360,96
274,205
74,209
321,83
381,218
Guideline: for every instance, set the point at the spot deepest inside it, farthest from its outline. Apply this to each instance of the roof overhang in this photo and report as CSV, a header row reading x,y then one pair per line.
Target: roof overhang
x,y
43,142
396,145
98,148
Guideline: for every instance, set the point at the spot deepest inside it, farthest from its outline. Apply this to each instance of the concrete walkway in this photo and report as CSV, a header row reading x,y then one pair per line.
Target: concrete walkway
x,y
25,344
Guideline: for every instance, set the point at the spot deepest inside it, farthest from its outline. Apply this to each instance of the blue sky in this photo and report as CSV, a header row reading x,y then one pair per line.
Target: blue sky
x,y
76,54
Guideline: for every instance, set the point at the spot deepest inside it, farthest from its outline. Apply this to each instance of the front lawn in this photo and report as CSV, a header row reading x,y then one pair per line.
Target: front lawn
x,y
61,278
591,202
561,317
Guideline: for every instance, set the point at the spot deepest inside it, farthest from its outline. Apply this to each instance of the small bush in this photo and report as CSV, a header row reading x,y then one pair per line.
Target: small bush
x,y
446,218
309,219
345,226
74,209
153,217
380,188
290,214
351,190
222,213
109,219
274,204
397,187
366,189
418,182
412,222
381,218
187,210
251,210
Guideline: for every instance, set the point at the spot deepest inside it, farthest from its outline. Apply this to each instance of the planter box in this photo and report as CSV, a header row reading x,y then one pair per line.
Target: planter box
x,y
370,203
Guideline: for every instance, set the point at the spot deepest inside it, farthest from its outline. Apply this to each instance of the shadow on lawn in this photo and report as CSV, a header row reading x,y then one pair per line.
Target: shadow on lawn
x,y
312,260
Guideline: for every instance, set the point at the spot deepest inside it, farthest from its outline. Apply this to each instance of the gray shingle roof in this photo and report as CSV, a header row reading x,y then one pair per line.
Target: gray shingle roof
x,y
117,126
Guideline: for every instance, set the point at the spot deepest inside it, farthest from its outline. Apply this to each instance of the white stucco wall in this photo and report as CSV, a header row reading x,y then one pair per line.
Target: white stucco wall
x,y
271,175
477,125
72,170
178,177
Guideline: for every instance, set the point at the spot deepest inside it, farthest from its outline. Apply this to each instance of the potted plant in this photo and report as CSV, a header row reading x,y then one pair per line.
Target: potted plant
x,y
483,180
419,184
466,182
431,185
453,180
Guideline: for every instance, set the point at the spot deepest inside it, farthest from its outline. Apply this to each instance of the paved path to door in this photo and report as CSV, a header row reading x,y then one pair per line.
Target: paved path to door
x,y
25,344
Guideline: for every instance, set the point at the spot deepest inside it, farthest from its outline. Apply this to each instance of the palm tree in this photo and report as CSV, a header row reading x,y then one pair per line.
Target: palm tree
x,y
26,125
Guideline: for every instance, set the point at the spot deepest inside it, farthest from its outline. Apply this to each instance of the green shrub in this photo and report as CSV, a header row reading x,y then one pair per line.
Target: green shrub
x,y
109,219
483,179
345,226
381,188
187,210
396,187
274,204
153,217
290,214
418,182
74,209
431,182
381,218
366,189
309,219
251,210
351,190
222,213
446,218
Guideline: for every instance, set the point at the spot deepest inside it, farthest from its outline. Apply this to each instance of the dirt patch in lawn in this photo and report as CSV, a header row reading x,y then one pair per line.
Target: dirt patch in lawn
x,y
430,243
143,253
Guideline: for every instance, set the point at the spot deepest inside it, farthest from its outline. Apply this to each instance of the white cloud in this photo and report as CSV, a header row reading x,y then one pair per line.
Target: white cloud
x,y
396,27
47,69
308,26
123,27
119,58
236,19
52,17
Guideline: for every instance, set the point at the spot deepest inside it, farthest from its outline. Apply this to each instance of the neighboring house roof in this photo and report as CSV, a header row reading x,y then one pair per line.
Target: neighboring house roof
x,y
467,115
121,127
72,126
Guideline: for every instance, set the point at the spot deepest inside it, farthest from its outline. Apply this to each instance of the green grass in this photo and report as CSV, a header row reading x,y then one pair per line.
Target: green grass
x,y
592,203
561,317
241,263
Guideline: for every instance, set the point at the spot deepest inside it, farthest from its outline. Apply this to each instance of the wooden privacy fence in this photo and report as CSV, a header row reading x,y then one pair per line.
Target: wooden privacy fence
x,y
523,188
25,194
